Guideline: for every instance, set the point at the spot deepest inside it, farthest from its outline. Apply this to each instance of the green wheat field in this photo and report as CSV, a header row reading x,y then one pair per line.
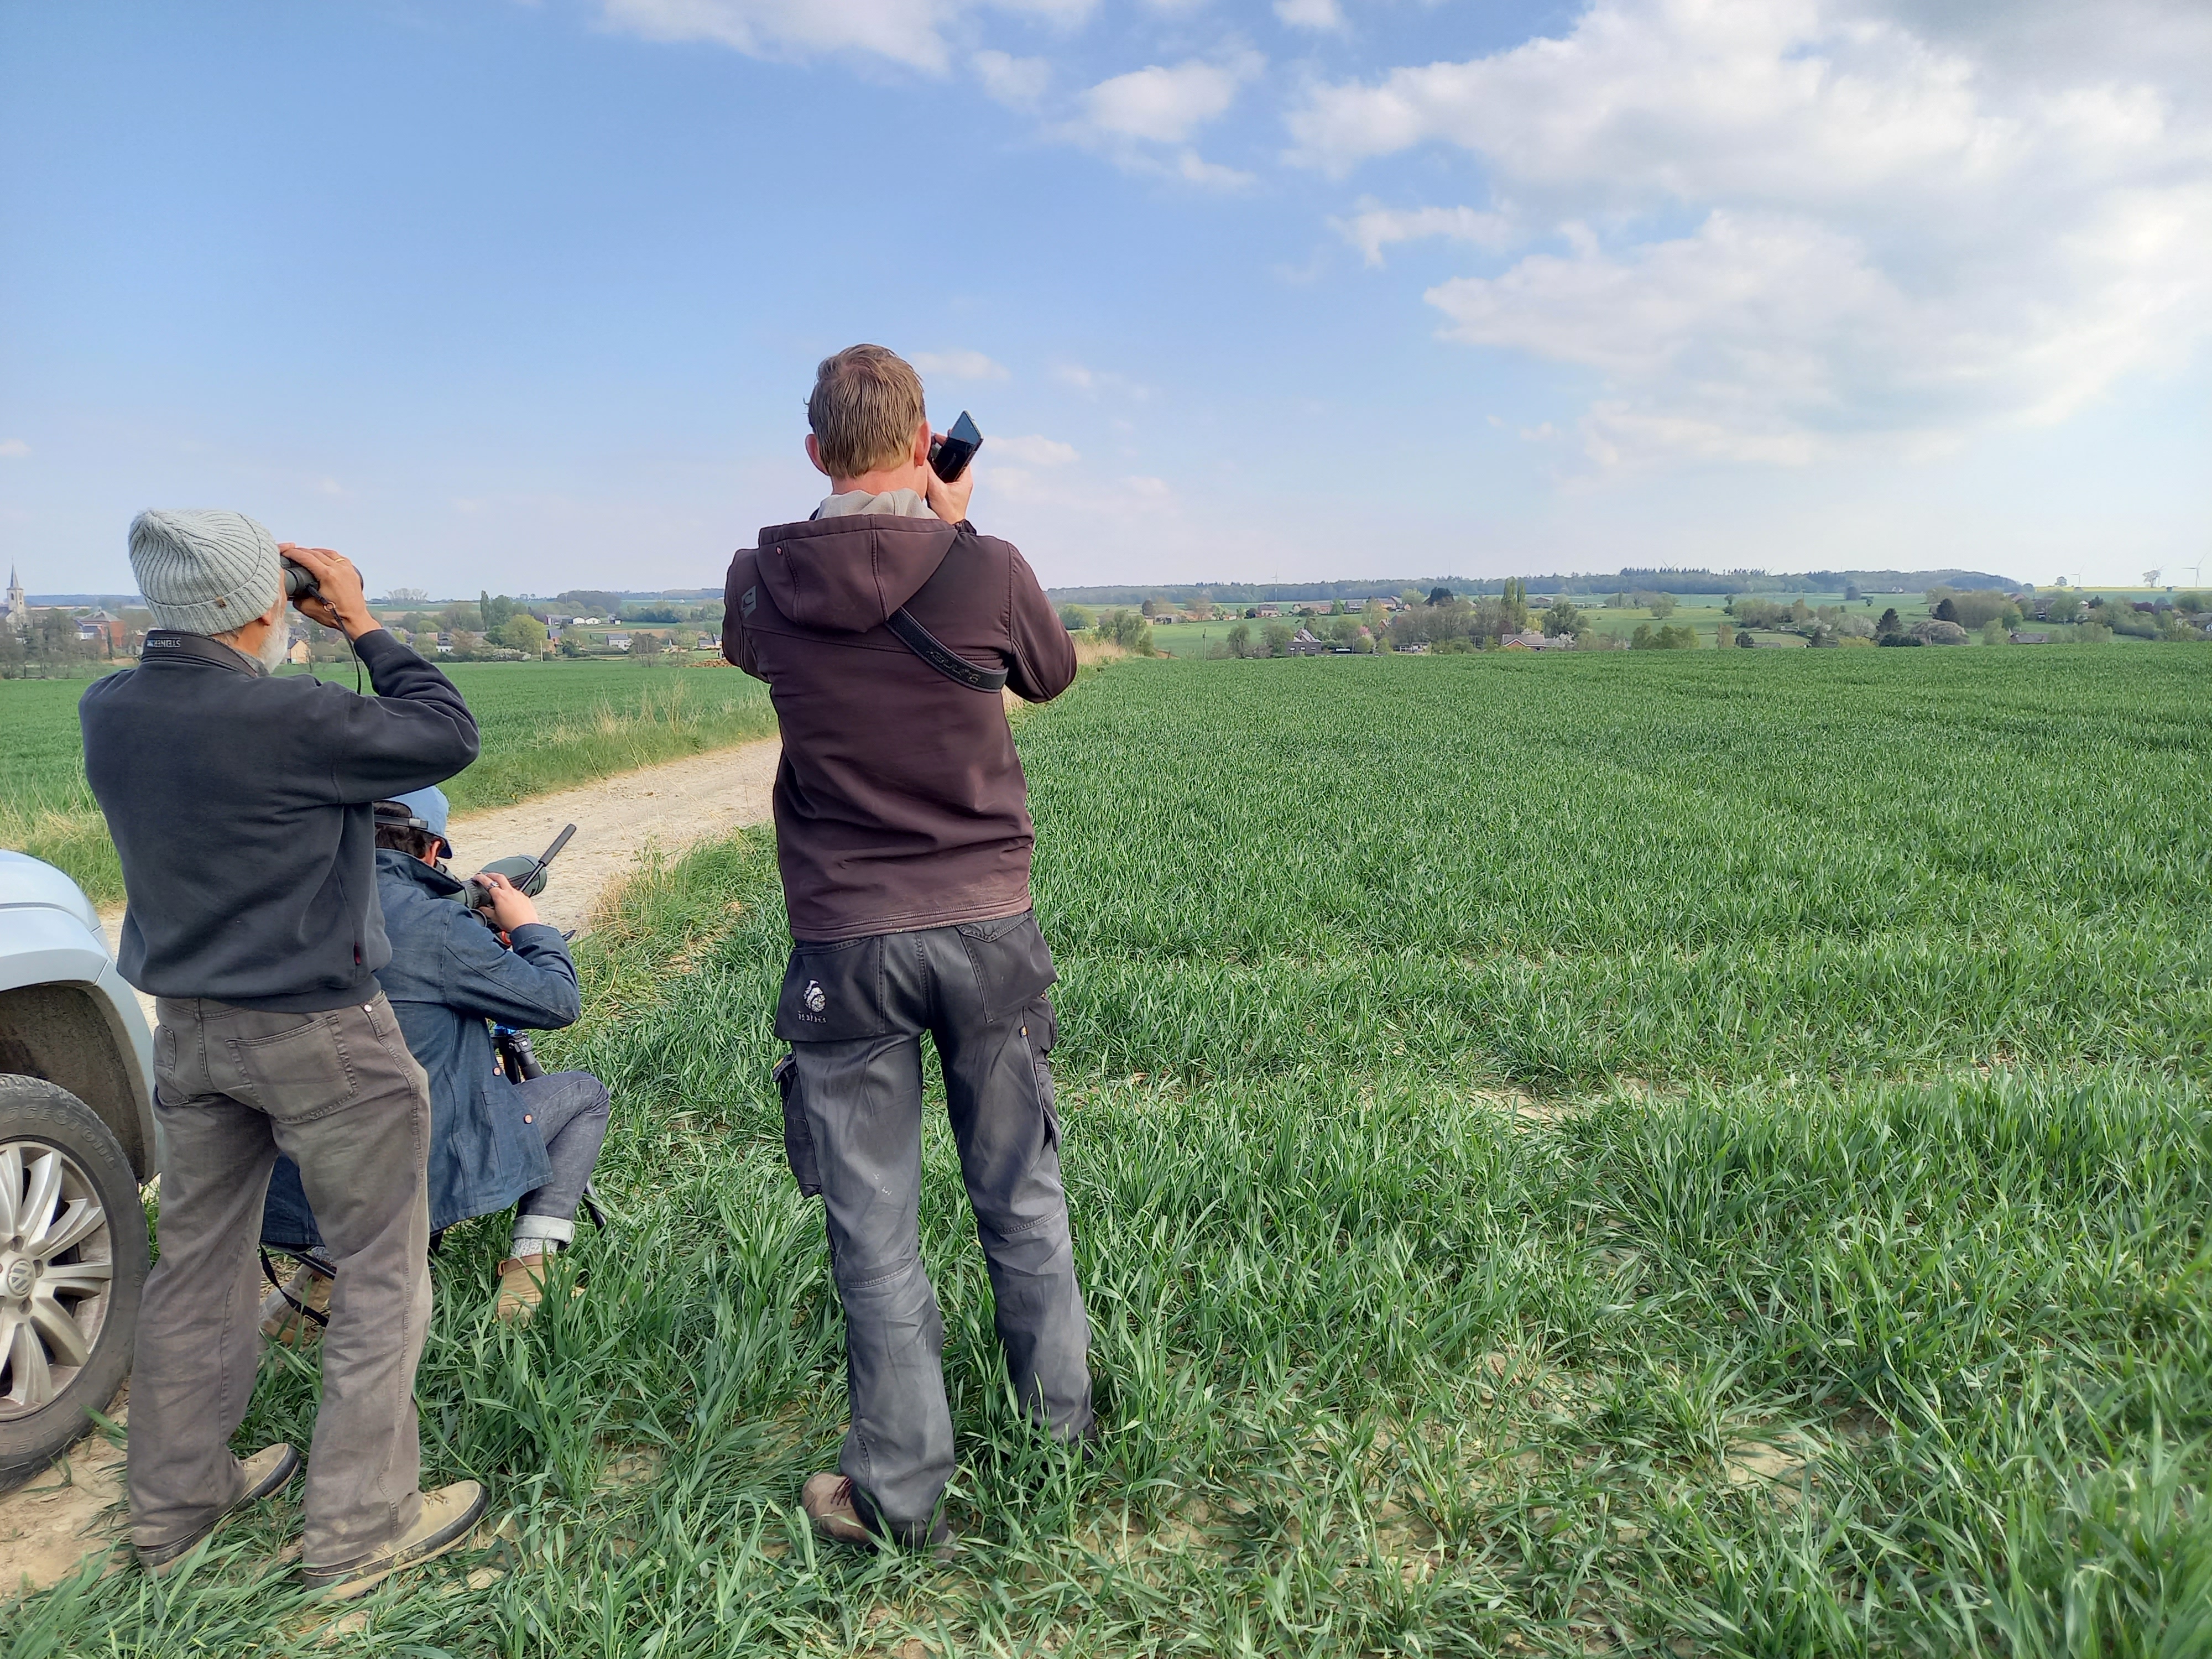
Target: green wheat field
x,y
1687,1154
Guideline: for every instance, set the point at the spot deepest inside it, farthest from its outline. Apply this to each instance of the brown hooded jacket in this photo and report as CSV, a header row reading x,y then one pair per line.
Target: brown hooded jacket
x,y
900,802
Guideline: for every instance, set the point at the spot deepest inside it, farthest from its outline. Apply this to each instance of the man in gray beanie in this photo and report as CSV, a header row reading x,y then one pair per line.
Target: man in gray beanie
x,y
240,805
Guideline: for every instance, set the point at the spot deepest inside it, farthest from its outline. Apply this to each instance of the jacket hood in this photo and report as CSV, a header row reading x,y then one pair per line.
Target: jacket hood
x,y
848,575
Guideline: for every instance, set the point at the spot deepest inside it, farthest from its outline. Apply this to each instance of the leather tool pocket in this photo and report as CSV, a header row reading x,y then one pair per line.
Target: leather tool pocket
x,y
798,1138
833,992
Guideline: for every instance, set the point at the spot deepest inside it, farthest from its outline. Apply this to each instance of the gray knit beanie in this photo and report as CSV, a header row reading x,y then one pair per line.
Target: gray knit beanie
x,y
205,572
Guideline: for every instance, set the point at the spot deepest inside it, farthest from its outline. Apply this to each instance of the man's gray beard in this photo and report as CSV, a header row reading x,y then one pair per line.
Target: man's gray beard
x,y
275,648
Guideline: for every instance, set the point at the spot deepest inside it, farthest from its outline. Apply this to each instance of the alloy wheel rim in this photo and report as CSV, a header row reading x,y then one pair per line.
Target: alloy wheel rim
x,y
56,1272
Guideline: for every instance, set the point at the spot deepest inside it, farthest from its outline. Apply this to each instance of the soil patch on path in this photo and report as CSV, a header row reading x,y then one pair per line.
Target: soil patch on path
x,y
669,808
666,807
76,1508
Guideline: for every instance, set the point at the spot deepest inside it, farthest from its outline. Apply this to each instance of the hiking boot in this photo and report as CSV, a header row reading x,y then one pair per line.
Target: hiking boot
x,y
281,1321
835,1513
448,1514
266,1471
521,1288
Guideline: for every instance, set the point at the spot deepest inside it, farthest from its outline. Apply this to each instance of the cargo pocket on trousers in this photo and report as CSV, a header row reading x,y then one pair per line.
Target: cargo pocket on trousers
x,y
1040,1030
797,1137
296,1074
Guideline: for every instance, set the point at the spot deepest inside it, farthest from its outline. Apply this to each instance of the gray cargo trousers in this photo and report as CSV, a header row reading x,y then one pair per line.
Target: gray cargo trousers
x,y
338,1093
854,1011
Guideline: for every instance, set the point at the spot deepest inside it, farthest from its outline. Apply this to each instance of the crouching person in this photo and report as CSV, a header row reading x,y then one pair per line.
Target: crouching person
x,y
495,1141
240,805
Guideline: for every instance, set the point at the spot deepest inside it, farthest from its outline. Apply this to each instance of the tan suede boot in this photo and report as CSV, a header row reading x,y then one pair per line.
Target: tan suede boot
x,y
521,1288
448,1514
280,1321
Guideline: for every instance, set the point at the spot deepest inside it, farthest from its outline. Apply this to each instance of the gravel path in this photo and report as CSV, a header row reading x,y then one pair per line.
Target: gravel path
x,y
47,1526
669,807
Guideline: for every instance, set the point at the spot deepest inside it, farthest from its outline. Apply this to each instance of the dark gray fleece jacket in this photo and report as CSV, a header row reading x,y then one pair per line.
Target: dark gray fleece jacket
x,y
240,805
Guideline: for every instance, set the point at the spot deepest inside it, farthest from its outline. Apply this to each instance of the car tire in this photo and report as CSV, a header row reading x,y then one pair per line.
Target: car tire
x,y
72,1268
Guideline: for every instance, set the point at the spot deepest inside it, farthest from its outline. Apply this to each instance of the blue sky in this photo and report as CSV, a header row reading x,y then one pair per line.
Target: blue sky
x,y
527,296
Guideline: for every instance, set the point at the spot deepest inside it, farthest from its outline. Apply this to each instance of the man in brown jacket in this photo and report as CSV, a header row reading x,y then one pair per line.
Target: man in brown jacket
x,y
884,626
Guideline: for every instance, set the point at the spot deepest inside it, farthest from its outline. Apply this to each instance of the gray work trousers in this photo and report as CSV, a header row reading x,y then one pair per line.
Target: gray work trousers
x,y
854,1011
338,1093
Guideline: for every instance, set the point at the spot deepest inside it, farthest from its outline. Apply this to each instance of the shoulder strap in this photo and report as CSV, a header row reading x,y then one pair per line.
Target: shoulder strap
x,y
938,655
941,657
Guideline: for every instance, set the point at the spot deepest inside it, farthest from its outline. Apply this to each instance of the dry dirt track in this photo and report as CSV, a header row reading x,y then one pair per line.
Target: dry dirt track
x,y
668,807
49,1526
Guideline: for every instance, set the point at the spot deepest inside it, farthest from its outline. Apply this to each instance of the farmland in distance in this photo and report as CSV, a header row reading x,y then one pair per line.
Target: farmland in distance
x,y
1688,1153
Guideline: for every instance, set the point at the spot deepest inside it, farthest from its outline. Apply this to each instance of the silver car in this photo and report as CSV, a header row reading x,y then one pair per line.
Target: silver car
x,y
76,1144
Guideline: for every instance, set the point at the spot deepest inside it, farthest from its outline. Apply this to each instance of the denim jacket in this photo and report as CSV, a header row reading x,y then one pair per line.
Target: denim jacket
x,y
448,975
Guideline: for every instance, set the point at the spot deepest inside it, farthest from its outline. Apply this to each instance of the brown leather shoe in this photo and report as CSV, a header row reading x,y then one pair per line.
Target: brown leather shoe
x,y
827,1501
266,1472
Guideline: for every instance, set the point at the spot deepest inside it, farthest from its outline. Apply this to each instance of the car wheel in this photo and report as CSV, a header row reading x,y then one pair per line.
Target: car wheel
x,y
72,1265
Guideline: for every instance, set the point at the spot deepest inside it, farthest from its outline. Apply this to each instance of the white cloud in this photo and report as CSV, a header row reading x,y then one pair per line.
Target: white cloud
x,y
1099,379
1309,14
1123,501
910,31
1016,82
1790,225
13,449
1132,118
1372,228
1165,106
1031,451
904,29
1195,169
959,365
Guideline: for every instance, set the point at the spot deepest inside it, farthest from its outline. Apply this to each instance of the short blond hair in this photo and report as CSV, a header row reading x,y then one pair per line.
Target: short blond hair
x,y
866,406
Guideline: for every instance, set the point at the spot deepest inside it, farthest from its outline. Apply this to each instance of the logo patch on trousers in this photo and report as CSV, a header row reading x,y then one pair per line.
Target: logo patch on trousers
x,y
814,997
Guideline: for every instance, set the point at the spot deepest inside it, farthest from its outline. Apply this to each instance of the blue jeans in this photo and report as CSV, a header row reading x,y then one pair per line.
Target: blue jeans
x,y
571,1111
